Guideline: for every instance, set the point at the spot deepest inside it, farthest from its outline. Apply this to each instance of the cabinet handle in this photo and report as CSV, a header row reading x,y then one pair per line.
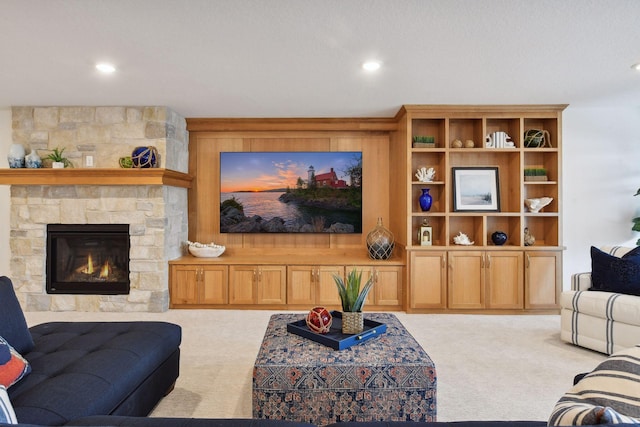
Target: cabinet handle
x,y
528,261
375,275
488,261
443,263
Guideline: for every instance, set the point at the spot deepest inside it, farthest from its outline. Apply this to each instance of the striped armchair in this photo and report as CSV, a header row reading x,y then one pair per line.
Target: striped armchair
x,y
602,321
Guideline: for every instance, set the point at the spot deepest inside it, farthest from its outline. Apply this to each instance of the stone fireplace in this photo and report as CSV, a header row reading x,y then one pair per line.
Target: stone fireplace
x,y
155,215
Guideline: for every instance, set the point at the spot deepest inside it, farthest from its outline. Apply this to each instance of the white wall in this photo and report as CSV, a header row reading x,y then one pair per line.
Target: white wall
x,y
5,142
601,167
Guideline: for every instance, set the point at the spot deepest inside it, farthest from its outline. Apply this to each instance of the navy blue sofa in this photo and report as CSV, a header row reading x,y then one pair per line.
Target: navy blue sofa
x,y
80,369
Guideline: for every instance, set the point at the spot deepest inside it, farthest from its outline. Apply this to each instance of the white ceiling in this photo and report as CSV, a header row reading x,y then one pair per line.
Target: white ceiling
x,y
301,58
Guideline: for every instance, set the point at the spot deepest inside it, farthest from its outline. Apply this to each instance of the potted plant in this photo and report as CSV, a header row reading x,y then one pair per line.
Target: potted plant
x,y
352,297
58,160
537,173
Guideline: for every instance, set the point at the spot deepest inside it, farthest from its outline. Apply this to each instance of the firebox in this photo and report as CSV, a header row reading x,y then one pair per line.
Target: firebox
x,y
88,259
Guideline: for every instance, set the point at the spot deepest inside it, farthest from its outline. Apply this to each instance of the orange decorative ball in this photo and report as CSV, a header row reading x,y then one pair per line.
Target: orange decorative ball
x,y
319,320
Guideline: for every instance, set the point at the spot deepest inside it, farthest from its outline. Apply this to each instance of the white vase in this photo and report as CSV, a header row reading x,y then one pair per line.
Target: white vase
x,y
16,156
32,160
57,165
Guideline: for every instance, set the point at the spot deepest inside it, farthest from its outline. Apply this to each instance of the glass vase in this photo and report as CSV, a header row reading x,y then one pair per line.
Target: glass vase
x,y
380,242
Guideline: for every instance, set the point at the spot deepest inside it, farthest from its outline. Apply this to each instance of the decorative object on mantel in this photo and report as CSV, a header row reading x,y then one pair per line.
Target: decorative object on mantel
x,y
469,143
33,160
499,140
536,204
380,242
462,239
425,234
352,298
205,250
425,175
537,138
59,161
425,200
499,238
456,143
529,240
16,156
537,173
125,162
145,157
319,320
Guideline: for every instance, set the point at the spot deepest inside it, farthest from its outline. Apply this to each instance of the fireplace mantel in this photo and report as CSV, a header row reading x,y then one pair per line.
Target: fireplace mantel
x,y
95,176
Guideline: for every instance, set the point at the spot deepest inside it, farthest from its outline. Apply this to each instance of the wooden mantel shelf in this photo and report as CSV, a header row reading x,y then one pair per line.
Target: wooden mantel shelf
x,y
95,176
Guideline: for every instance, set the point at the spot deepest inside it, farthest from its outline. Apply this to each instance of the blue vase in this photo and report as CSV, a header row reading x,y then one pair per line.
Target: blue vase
x,y
425,200
499,238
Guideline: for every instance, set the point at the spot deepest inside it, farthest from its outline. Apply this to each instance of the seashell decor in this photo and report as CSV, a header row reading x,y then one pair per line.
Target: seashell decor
x,y
534,205
462,239
425,175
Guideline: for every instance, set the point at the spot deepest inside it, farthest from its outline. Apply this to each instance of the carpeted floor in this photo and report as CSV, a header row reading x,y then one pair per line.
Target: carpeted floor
x,y
489,367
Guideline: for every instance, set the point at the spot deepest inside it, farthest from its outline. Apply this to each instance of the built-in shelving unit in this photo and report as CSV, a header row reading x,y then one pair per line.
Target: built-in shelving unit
x,y
294,271
467,280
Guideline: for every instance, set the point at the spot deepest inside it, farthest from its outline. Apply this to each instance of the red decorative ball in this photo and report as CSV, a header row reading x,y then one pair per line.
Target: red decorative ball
x,y
319,320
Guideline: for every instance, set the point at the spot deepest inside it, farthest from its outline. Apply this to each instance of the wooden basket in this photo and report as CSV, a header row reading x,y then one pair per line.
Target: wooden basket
x,y
352,322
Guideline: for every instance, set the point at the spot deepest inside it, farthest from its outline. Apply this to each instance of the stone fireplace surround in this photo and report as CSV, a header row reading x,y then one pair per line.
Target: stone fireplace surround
x,y
157,214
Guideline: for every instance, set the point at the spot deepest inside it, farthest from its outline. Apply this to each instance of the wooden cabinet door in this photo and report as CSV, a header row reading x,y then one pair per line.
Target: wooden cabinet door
x,y
387,285
427,280
242,284
271,284
301,285
466,279
542,279
326,292
184,284
214,285
504,279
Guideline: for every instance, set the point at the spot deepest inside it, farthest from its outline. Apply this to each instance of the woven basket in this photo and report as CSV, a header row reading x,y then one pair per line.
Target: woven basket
x,y
352,322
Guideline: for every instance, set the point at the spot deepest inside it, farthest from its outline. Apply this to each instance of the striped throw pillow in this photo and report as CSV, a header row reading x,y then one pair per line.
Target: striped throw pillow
x,y
7,416
610,394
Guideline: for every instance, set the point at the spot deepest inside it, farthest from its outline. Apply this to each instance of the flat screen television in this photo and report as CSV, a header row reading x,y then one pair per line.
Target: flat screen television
x,y
291,192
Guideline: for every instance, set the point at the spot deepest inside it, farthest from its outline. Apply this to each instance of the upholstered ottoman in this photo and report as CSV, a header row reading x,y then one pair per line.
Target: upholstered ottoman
x,y
388,378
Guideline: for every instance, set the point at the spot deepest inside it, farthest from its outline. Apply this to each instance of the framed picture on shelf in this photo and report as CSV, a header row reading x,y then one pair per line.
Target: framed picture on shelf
x,y
476,189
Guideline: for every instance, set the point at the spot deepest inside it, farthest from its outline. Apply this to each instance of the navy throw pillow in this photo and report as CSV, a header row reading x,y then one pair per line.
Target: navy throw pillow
x,y
612,274
13,326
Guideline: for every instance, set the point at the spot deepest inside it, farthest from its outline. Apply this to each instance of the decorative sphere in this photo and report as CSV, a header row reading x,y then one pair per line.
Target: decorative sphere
x,y
144,157
319,320
499,238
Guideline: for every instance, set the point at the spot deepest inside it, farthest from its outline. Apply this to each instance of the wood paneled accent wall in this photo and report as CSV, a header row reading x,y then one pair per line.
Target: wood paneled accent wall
x,y
210,137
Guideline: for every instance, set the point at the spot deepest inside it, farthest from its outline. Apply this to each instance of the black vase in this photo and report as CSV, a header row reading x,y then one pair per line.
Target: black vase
x,y
499,238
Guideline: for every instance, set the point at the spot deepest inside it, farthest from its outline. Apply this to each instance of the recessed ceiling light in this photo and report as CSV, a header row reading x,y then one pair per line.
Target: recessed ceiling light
x,y
636,66
372,65
105,67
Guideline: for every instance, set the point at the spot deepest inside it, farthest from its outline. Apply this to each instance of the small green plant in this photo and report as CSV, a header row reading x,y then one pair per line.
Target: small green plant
x,y
424,139
636,221
535,172
56,156
351,295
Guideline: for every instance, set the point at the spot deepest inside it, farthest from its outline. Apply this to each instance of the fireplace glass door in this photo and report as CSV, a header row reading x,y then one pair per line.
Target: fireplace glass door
x,y
88,259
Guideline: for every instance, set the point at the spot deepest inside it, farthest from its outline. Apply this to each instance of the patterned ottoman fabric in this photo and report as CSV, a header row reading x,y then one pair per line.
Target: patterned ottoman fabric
x,y
389,378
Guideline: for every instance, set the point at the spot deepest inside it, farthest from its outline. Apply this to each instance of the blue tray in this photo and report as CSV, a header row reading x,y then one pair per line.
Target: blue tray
x,y
335,338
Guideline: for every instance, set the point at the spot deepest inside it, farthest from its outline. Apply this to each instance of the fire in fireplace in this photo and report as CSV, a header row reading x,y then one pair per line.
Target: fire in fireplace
x,y
88,259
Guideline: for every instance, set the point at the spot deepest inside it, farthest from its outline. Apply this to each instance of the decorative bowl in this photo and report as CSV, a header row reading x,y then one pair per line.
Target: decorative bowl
x,y
208,250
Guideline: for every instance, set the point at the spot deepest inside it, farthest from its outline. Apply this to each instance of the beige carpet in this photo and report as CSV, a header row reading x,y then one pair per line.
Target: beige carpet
x,y
489,367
